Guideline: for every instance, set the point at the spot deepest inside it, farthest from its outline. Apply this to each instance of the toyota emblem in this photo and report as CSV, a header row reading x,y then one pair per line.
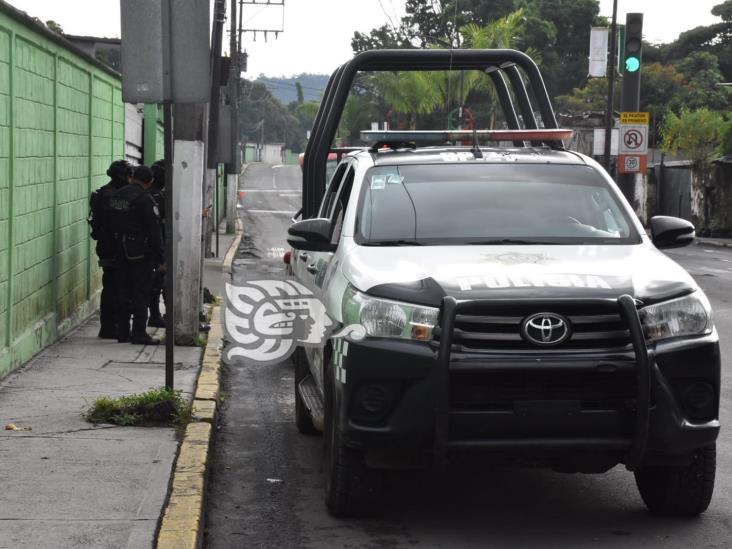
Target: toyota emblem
x,y
546,329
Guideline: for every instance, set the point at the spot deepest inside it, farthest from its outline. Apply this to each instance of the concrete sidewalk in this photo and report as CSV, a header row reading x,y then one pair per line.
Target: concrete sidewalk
x,y
66,482
69,483
715,242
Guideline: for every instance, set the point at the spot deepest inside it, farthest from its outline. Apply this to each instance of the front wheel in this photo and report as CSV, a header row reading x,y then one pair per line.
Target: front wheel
x,y
679,490
351,488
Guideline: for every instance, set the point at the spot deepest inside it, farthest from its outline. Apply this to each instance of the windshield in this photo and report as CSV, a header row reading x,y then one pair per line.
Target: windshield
x,y
489,204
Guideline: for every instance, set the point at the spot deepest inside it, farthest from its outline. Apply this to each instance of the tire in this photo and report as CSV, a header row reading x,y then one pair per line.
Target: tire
x,y
303,419
679,491
351,488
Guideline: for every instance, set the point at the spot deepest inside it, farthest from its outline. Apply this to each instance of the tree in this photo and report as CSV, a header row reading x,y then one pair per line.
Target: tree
x,y
591,97
697,135
560,29
701,76
300,96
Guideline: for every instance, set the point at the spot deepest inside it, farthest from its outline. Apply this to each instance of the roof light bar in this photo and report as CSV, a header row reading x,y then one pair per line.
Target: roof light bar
x,y
440,136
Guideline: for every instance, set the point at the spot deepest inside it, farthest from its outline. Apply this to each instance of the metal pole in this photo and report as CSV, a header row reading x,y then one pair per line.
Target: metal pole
x,y
169,248
611,86
216,212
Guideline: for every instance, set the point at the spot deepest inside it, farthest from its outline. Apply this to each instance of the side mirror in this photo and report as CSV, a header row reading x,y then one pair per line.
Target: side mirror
x,y
312,235
671,232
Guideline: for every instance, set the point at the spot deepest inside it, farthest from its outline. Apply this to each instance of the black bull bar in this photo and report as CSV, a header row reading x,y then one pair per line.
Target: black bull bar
x,y
635,447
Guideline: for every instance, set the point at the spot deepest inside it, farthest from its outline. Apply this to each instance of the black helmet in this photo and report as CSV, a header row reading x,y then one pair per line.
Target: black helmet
x,y
158,170
143,174
119,169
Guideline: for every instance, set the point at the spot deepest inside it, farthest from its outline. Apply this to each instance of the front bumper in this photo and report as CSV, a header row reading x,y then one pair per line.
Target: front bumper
x,y
430,405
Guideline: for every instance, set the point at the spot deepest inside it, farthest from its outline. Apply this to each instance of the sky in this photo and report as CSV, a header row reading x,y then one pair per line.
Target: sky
x,y
317,33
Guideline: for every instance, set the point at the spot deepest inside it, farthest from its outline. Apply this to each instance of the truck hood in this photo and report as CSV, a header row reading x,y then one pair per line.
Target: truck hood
x,y
424,274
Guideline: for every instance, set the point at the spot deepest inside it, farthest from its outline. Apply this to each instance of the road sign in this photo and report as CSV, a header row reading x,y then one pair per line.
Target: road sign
x,y
635,118
633,139
632,163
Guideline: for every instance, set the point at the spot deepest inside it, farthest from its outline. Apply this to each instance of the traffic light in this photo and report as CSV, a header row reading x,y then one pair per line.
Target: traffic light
x,y
632,49
633,42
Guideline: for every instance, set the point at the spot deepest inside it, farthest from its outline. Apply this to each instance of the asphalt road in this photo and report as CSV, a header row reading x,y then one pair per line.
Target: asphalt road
x,y
266,486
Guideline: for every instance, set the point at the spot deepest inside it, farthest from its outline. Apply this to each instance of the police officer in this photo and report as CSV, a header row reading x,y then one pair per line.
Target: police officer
x,y
136,223
119,172
158,286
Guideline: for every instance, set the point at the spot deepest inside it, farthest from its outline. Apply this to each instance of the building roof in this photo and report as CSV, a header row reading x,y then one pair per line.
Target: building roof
x,y
30,22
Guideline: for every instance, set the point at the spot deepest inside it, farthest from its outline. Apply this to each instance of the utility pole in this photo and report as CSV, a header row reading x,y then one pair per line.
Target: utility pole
x,y
214,119
233,168
611,86
259,30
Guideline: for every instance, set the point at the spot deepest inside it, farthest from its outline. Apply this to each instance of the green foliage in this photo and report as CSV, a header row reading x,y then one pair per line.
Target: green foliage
x,y
592,97
725,139
155,407
695,133
558,28
701,76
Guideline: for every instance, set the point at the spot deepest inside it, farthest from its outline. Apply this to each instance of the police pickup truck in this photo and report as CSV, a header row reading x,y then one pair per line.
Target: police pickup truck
x,y
503,306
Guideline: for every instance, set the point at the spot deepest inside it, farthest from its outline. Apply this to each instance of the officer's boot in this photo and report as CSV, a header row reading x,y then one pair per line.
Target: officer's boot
x,y
156,319
139,335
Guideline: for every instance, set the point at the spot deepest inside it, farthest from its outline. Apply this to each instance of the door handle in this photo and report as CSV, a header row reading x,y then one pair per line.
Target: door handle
x,y
303,256
312,269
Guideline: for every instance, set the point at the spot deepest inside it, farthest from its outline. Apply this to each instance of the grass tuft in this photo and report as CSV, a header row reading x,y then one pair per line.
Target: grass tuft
x,y
156,407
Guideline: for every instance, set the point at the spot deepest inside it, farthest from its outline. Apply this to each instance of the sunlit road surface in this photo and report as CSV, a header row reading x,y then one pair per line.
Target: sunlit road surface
x,y
266,488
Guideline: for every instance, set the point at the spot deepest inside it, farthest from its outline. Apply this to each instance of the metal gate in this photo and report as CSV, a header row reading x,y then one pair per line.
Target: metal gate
x,y
674,190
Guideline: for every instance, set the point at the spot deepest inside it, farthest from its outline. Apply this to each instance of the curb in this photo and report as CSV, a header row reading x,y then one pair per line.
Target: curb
x,y
229,258
182,523
713,243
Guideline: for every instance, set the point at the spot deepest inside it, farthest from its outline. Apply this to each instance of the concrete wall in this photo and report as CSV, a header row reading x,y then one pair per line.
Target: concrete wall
x,y
272,153
61,124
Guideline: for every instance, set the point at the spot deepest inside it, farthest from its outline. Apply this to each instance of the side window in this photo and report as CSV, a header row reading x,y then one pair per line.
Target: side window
x,y
331,190
341,203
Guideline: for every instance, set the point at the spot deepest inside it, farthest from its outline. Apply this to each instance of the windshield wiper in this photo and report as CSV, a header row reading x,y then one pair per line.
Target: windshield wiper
x,y
507,241
400,242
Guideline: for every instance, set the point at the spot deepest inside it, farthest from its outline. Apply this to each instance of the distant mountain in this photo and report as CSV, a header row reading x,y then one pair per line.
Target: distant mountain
x,y
285,91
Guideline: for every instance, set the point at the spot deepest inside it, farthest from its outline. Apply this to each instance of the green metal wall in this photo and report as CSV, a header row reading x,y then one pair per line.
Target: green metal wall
x,y
61,124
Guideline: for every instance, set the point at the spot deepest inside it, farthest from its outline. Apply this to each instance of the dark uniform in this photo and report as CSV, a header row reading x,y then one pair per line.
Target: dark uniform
x,y
136,223
119,171
158,286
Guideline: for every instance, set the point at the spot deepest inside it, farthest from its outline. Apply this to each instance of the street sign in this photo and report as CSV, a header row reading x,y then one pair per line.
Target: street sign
x,y
165,51
632,163
598,51
633,142
633,139
640,118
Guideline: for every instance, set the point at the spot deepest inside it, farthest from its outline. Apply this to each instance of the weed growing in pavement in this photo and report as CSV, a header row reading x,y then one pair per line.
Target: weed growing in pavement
x,y
156,407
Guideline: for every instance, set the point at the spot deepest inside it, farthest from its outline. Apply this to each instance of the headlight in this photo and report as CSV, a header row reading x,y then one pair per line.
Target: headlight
x,y
686,316
386,318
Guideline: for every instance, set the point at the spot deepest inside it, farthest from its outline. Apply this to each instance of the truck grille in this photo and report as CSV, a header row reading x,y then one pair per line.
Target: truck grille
x,y
592,328
499,391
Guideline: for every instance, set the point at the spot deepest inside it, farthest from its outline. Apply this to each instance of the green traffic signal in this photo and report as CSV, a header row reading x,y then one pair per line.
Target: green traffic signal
x,y
632,64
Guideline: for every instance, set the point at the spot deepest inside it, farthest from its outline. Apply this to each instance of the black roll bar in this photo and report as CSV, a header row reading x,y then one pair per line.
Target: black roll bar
x,y
339,86
504,96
